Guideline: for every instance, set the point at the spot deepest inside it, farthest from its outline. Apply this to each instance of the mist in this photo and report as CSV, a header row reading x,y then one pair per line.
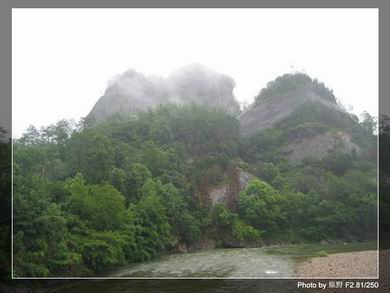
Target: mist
x,y
193,83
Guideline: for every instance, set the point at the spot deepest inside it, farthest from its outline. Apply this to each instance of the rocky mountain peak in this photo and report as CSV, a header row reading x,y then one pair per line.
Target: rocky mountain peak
x,y
195,83
281,98
305,117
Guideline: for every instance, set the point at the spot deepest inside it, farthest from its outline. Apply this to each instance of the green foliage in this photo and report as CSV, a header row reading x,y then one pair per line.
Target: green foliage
x,y
269,172
312,206
91,153
337,163
322,253
100,206
368,122
245,232
133,188
229,228
126,190
98,254
294,81
258,204
104,249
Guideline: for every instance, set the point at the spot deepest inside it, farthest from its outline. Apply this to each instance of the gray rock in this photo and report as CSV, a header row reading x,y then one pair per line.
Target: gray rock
x,y
132,91
320,145
269,112
220,194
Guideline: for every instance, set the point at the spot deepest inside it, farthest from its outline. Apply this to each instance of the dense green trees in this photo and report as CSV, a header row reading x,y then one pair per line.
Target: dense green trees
x,y
101,207
123,191
258,204
230,230
133,188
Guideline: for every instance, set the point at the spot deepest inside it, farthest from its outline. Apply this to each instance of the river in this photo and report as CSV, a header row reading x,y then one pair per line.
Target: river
x,y
265,262
217,263
272,261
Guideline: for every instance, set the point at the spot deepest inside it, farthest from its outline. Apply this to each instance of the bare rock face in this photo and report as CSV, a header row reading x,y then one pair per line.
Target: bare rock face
x,y
306,115
132,91
320,145
128,93
221,194
218,195
267,113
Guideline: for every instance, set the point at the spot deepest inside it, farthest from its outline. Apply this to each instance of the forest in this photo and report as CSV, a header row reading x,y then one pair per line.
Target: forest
x,y
135,187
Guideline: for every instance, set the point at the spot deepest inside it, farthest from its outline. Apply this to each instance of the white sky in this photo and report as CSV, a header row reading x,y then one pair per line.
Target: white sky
x,y
62,59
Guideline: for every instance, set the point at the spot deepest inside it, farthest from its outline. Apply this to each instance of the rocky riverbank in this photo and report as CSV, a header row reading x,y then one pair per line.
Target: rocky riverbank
x,y
363,264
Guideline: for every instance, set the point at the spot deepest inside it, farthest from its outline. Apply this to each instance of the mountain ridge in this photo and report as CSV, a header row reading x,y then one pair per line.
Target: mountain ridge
x,y
275,110
195,83
304,109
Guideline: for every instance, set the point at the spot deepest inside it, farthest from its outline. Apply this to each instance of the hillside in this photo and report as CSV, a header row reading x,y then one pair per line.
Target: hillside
x,y
304,117
267,112
184,176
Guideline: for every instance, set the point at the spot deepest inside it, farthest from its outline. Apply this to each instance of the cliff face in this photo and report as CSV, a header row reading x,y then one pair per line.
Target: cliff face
x,y
235,185
133,91
307,117
302,109
268,112
320,145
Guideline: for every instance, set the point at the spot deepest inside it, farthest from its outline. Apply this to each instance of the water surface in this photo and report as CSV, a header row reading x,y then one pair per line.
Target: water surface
x,y
264,262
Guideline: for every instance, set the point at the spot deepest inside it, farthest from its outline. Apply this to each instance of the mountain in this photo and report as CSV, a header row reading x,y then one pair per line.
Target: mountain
x,y
281,99
304,117
186,175
132,91
301,111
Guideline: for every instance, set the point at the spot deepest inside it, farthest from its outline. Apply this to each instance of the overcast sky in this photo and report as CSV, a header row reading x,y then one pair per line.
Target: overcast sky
x,y
62,59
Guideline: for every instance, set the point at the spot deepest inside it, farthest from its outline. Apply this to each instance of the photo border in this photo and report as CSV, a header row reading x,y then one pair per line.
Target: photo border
x,y
186,278
384,68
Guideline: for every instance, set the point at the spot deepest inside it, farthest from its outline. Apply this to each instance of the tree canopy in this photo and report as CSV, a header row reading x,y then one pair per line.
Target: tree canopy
x,y
87,198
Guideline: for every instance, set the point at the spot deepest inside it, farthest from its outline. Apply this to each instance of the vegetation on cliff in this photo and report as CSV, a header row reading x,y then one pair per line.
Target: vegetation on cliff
x,y
293,81
130,189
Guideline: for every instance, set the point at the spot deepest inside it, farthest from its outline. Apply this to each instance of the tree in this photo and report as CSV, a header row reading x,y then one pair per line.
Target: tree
x,y
91,153
259,205
31,136
368,122
101,206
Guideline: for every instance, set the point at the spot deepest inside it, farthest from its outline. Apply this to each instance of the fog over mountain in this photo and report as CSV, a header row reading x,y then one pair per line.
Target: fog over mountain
x,y
194,83
309,119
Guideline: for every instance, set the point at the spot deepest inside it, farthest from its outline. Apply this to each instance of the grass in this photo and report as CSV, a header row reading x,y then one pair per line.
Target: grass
x,y
322,253
312,250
